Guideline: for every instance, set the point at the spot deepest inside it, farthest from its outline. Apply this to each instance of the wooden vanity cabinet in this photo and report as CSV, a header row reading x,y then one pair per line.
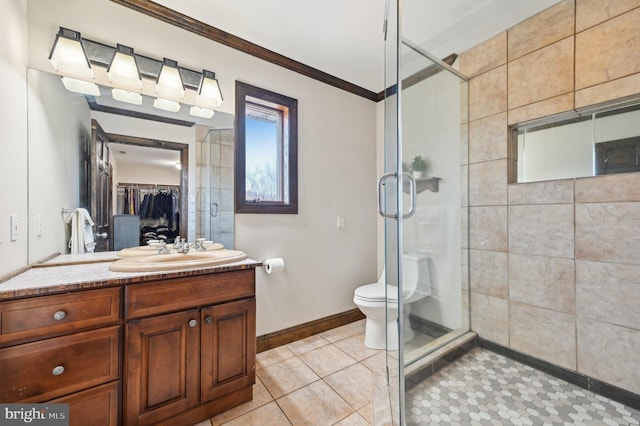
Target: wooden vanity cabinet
x,y
190,348
64,348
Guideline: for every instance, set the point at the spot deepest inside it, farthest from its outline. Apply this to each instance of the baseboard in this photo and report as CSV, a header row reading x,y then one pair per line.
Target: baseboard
x,y
427,327
599,387
291,334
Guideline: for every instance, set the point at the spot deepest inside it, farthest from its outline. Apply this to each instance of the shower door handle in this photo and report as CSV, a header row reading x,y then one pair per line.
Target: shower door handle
x,y
381,183
412,195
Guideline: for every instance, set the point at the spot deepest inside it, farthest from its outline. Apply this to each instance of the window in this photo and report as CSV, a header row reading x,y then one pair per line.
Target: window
x,y
595,142
266,151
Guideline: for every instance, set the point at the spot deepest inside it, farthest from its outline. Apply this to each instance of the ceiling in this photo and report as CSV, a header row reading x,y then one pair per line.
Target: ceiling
x,y
344,37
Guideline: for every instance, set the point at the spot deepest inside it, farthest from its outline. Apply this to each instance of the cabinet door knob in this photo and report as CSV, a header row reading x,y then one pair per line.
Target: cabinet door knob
x,y
193,323
59,315
208,320
58,370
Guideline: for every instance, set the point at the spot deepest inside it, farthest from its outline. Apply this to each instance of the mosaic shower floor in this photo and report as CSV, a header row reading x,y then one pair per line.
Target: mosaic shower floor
x,y
484,388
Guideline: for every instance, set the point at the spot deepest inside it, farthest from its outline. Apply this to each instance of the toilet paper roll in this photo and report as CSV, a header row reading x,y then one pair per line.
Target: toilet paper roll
x,y
274,265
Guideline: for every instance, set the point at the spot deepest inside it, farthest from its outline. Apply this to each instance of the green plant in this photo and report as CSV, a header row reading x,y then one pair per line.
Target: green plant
x,y
418,164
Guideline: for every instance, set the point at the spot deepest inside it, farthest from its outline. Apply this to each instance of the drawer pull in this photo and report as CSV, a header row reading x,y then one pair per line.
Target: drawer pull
x,y
208,320
193,323
59,315
58,370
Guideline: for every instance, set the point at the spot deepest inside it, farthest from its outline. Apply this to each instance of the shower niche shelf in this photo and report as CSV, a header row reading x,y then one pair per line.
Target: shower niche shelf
x,y
422,184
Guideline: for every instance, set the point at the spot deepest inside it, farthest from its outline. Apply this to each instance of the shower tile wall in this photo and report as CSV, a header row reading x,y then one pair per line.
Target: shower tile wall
x,y
555,266
215,176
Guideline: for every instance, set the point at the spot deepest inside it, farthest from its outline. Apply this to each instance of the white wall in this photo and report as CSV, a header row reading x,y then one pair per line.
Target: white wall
x,y
135,173
58,123
13,137
337,154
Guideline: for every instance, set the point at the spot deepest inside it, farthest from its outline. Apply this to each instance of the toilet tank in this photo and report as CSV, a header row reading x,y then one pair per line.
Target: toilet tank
x,y
416,276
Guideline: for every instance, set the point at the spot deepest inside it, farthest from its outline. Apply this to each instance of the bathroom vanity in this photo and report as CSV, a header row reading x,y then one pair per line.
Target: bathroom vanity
x,y
129,348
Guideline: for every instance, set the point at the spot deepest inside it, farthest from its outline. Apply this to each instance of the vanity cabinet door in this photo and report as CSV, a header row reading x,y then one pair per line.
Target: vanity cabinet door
x,y
162,367
228,348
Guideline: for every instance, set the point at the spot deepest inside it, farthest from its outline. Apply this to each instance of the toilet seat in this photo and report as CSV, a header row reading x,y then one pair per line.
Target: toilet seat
x,y
376,293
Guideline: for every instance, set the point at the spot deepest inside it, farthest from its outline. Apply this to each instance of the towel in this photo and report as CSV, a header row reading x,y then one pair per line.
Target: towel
x,y
81,240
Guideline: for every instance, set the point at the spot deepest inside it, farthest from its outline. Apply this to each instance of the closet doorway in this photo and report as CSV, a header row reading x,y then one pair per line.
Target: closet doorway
x,y
146,150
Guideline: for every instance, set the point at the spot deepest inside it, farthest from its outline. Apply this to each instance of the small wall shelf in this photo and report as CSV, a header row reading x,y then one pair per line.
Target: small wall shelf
x,y
422,184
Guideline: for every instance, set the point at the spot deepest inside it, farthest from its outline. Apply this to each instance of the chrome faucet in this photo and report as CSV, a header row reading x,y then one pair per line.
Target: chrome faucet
x,y
199,245
181,246
162,248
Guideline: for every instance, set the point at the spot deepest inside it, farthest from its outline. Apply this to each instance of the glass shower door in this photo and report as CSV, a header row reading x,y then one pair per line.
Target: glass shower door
x,y
433,263
422,195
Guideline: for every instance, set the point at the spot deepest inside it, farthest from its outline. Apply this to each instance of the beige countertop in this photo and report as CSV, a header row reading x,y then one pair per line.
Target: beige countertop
x,y
62,276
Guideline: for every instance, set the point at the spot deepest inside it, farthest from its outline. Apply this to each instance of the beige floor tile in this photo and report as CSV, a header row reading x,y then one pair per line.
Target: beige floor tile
x,y
267,415
355,348
273,356
376,363
367,413
327,360
354,384
315,405
286,376
358,326
308,344
204,423
339,333
260,397
353,420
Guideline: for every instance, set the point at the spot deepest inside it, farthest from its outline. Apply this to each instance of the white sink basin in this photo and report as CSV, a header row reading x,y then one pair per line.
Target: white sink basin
x,y
153,249
177,261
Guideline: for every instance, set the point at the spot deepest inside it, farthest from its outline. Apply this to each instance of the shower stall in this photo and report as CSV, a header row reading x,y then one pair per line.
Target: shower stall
x,y
426,214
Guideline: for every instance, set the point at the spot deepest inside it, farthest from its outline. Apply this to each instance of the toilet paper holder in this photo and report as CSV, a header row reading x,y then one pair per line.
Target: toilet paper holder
x,y
275,264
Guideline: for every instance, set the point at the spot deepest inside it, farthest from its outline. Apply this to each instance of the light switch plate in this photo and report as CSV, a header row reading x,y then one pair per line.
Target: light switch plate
x,y
14,227
39,225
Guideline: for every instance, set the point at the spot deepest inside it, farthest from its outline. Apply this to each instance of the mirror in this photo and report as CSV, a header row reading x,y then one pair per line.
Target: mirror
x,y
142,151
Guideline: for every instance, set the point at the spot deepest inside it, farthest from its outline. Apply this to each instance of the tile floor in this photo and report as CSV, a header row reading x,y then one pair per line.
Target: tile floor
x,y
326,379
330,379
484,388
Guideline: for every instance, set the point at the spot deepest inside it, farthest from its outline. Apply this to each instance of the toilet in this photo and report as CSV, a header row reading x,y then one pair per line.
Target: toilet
x,y
370,299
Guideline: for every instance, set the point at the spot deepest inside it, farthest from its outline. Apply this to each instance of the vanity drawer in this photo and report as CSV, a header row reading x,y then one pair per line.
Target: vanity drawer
x,y
185,293
46,316
96,406
47,369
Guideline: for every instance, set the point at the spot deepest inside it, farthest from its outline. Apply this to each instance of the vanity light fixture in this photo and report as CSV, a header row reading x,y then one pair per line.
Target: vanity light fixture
x,y
80,86
166,104
123,69
126,96
68,55
169,84
209,94
73,57
196,111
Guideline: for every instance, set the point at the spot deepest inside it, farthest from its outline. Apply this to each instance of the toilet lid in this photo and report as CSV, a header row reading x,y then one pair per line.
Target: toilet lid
x,y
376,293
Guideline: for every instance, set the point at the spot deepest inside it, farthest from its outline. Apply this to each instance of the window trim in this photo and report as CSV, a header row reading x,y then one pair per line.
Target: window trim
x,y
244,90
